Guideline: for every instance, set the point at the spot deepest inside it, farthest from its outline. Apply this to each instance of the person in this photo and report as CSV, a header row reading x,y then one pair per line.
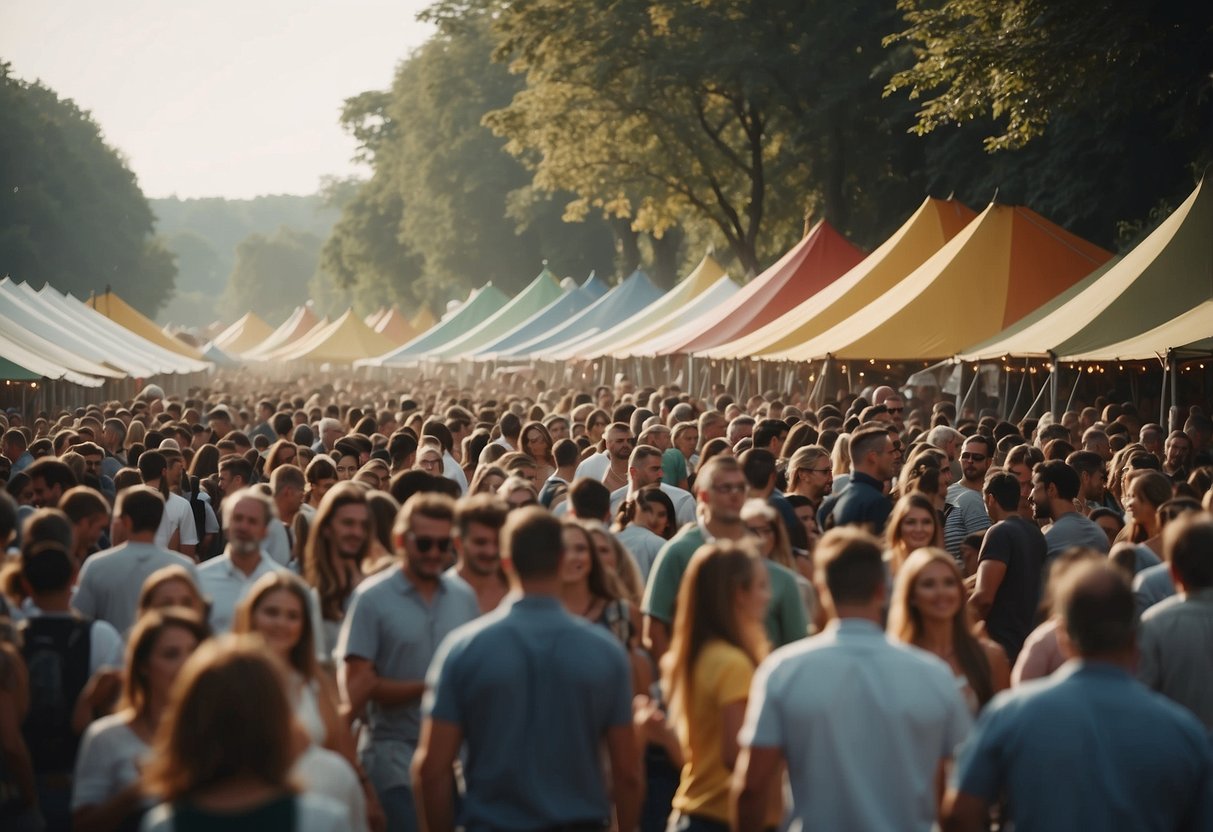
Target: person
x,y
536,442
106,793
644,470
565,454
1176,636
177,530
969,515
346,464
1147,491
863,502
620,569
718,641
222,755
927,610
172,586
478,522
1154,765
321,475
1041,652
914,524
49,478
810,474
247,515
1054,490
1009,567
720,489
533,758
338,543
396,621
894,709
637,523
587,589
89,512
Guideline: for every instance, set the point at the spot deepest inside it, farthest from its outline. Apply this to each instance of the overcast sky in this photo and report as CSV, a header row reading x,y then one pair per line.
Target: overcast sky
x,y
216,98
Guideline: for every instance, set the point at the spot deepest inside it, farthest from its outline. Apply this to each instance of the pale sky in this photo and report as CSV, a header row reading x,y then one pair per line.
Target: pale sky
x,y
231,98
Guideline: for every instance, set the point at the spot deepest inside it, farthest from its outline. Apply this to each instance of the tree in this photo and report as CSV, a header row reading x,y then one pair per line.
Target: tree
x,y
271,274
71,211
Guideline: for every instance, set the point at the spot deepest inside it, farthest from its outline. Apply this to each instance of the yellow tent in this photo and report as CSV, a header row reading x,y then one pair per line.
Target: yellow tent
x,y
423,320
341,342
122,313
393,326
243,335
300,323
1001,267
934,223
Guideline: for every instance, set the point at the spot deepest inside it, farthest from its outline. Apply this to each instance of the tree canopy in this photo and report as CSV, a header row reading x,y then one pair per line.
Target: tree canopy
x,y
71,211
271,274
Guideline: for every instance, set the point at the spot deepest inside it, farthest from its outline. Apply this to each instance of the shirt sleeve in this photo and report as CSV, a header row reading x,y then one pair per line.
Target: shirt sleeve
x,y
996,545
106,645
359,636
661,592
979,768
731,674
211,521
189,530
92,783
763,724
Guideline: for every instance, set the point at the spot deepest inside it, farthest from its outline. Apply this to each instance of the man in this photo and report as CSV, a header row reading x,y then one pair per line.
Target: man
x,y
1021,461
177,528
555,489
329,430
712,425
1176,656
558,427
14,446
287,486
969,514
265,413
451,469
644,469
588,500
478,522
1009,565
225,579
1199,429
109,583
948,440
1092,481
49,478
863,502
534,757
1177,454
863,724
741,427
235,474
89,514
511,429
720,490
619,444
761,472
220,422
893,403
769,435
1054,489
1152,436
393,628
402,448
1087,747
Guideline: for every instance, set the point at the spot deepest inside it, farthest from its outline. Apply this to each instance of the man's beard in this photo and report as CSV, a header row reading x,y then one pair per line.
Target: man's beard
x,y
244,547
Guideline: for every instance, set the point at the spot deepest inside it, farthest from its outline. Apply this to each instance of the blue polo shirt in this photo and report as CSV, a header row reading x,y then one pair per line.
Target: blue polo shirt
x,y
861,503
1090,748
534,691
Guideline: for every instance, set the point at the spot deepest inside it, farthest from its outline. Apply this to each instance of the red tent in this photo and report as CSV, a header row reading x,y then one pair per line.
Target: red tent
x,y
812,264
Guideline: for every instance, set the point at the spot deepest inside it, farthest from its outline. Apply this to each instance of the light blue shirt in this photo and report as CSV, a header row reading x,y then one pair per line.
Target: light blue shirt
x,y
534,691
110,582
1152,585
392,626
1090,748
224,585
862,722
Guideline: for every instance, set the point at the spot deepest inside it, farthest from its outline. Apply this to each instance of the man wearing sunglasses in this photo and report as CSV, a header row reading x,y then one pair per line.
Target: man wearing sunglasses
x,y
969,516
395,623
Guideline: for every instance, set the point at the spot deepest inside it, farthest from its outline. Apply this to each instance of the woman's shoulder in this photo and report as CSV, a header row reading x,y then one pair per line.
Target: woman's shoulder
x,y
113,731
320,813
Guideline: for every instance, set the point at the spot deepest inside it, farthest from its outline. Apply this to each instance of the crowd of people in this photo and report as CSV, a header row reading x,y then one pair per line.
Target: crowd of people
x,y
267,607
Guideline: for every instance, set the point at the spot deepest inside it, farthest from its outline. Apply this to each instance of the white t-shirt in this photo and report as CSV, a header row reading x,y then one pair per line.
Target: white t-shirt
x,y
178,517
325,772
595,467
108,761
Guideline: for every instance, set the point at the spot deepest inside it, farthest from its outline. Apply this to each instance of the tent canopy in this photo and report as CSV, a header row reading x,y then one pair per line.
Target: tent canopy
x,y
342,342
1191,334
393,326
926,231
119,311
1004,264
482,303
722,292
298,324
571,303
625,300
244,335
538,294
702,278
423,320
807,268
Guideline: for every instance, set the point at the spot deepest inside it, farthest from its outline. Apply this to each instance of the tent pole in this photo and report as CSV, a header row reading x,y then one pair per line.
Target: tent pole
x,y
972,387
960,386
1054,378
1173,415
1045,387
1074,391
1010,415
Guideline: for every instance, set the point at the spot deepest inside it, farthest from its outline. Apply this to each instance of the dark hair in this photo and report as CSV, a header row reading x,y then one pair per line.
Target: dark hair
x,y
1188,545
237,466
1085,462
82,502
484,509
1098,609
565,452
758,466
511,425
864,441
766,430
53,472
414,481
850,564
46,563
1061,476
532,542
1004,488
589,499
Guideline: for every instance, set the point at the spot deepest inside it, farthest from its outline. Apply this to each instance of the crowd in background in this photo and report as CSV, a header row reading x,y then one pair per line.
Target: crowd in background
x,y
361,607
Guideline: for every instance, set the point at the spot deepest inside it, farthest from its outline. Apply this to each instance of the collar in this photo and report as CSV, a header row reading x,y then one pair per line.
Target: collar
x,y
1092,668
1200,596
867,479
406,587
854,627
538,603
264,564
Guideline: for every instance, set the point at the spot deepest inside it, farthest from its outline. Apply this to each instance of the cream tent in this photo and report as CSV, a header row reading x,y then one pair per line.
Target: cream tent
x,y
702,278
934,223
1163,279
1004,264
344,341
244,335
306,339
1190,333
376,316
26,362
300,322
709,301
122,313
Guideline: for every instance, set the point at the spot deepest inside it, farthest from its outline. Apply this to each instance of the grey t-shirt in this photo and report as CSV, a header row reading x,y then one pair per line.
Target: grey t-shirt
x,y
1072,529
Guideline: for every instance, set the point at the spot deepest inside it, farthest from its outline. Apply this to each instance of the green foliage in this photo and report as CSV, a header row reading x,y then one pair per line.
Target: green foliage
x,y
71,212
271,274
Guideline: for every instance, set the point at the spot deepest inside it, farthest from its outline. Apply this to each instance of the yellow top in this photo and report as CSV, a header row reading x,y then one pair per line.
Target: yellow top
x,y
721,678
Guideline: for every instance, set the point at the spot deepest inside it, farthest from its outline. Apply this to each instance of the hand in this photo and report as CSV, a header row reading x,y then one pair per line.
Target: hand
x,y
376,819
649,719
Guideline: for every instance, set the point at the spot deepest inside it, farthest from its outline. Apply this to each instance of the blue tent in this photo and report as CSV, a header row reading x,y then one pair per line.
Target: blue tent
x,y
617,305
571,303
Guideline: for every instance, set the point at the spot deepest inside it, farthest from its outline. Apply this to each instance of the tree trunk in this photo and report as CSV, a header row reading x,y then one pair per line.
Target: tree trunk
x,y
627,246
666,250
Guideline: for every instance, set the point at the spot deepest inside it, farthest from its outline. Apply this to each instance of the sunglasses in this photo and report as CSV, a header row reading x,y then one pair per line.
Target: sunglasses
x,y
973,457
424,544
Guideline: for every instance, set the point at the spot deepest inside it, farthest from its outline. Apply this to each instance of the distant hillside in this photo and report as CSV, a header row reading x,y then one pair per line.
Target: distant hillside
x,y
204,233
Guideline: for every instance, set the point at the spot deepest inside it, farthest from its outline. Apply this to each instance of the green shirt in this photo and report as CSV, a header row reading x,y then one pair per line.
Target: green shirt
x,y
786,620
673,467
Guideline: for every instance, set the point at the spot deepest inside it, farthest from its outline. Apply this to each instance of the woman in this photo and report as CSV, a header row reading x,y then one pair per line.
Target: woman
x,y
619,565
172,586
928,611
537,442
106,794
771,536
376,474
518,493
487,479
636,524
321,475
586,587
345,464
223,752
282,452
136,432
1147,490
717,641
333,576
913,524
595,425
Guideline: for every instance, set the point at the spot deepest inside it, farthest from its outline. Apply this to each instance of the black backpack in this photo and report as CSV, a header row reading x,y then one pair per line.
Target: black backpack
x,y
57,651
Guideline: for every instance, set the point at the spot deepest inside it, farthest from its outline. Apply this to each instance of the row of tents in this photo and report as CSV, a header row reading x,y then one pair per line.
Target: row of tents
x,y
950,283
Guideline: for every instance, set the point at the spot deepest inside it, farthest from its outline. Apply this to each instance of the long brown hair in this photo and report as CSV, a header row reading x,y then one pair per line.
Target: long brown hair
x,y
302,656
602,583
228,716
141,642
904,506
706,612
319,570
905,620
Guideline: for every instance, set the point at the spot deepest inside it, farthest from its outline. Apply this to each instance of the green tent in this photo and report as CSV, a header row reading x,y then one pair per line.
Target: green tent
x,y
542,290
482,304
